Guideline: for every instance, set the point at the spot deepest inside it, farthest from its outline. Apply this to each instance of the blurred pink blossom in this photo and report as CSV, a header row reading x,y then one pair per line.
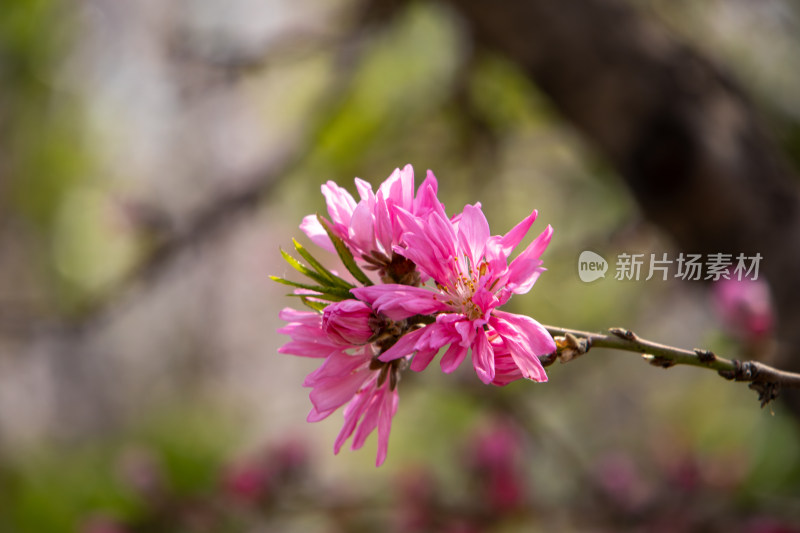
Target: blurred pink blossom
x,y
256,478
745,307
495,458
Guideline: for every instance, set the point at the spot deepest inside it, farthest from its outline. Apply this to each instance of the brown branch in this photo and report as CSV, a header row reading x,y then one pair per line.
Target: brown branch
x,y
764,379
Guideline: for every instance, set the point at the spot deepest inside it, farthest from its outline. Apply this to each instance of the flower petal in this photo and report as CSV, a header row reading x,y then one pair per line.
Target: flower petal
x,y
483,357
524,270
399,302
389,405
314,230
405,345
473,232
340,203
525,339
426,200
453,357
361,232
511,240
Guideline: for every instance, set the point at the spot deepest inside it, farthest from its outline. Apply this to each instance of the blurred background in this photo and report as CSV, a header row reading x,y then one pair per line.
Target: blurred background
x,y
154,157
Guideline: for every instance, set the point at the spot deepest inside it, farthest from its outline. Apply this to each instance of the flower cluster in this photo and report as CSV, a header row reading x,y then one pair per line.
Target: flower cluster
x,y
440,282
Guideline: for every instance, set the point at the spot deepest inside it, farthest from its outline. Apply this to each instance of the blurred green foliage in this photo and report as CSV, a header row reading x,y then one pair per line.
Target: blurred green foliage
x,y
44,147
57,488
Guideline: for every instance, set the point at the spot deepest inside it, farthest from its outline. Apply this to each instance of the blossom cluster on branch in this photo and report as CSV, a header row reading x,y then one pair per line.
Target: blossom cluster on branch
x,y
436,284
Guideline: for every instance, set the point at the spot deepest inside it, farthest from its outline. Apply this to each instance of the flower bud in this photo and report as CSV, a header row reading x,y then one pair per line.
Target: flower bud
x,y
348,322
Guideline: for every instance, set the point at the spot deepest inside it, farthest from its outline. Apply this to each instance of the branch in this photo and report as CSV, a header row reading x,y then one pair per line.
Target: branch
x,y
764,379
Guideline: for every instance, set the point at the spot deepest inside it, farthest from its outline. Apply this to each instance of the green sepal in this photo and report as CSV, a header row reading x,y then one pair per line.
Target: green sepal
x,y
316,306
328,297
300,267
330,293
344,254
316,265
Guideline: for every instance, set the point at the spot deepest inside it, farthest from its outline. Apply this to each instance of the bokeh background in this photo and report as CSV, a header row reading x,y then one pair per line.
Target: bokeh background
x,y
154,157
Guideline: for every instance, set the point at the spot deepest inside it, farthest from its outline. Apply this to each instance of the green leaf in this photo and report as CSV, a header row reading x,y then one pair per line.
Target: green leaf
x,y
328,297
331,293
316,306
344,254
316,265
300,267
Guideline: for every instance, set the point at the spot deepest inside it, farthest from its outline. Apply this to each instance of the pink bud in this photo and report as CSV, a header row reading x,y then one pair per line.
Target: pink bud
x,y
347,322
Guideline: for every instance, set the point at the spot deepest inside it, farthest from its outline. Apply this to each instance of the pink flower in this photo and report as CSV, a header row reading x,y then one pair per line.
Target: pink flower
x,y
473,277
350,374
366,342
369,227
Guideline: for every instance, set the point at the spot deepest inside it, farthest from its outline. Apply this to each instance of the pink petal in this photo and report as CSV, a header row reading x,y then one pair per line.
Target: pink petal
x,y
336,367
525,268
511,240
405,345
426,200
388,409
430,243
466,329
407,187
311,227
427,346
453,357
385,226
473,233
352,413
399,188
525,339
361,232
307,349
483,357
294,315
423,358
364,189
399,302
316,416
333,393
369,420
340,203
